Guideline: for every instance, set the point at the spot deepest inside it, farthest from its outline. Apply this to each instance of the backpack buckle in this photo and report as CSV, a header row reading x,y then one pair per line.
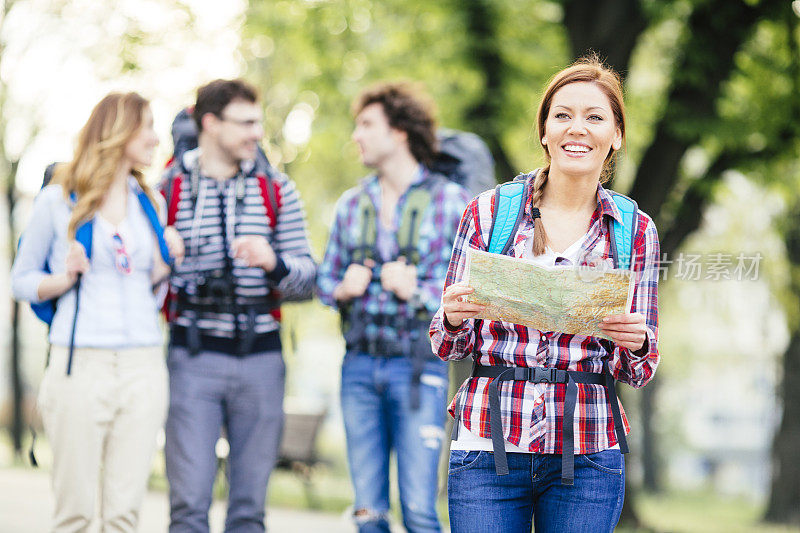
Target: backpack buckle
x,y
543,375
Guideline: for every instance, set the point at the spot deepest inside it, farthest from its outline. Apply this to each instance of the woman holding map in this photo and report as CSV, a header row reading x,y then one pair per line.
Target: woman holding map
x,y
544,401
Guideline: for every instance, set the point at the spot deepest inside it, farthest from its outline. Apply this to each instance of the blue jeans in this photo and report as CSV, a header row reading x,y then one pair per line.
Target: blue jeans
x,y
210,391
378,418
480,501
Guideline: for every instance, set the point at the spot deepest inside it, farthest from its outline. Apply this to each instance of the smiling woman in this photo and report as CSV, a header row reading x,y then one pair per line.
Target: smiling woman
x,y
557,431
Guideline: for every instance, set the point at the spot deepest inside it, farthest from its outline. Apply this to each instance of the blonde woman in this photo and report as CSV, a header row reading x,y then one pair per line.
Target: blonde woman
x,y
104,393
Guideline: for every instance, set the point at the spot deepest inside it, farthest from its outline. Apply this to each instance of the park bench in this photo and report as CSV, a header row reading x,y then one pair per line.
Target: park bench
x,y
297,451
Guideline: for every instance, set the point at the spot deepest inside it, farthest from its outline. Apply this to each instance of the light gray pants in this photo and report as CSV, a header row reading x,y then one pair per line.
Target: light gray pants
x,y
102,422
209,391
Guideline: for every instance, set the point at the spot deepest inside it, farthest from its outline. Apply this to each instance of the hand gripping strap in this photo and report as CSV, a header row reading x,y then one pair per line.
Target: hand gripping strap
x,y
84,236
623,233
508,210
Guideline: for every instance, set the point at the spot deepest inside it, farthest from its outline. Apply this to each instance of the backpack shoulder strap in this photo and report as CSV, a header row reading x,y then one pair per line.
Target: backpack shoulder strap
x,y
508,208
155,223
84,235
269,195
623,233
417,201
369,231
85,231
172,194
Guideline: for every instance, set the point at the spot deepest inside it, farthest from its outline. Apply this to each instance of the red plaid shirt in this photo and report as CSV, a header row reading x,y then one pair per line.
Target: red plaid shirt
x,y
532,412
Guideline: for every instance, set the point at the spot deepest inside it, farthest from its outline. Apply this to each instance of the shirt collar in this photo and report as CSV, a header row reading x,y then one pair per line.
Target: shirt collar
x,y
191,160
371,181
606,205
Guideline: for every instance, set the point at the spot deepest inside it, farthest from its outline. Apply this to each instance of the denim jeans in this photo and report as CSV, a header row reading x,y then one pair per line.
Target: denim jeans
x,y
378,419
209,391
480,501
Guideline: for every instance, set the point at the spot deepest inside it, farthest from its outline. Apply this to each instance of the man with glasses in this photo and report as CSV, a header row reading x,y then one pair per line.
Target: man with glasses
x,y
246,251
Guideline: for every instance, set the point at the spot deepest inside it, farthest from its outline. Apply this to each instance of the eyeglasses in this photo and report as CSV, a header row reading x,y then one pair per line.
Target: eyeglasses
x,y
249,123
121,259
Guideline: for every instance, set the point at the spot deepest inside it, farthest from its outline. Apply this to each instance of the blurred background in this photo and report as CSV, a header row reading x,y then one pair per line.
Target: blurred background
x,y
712,154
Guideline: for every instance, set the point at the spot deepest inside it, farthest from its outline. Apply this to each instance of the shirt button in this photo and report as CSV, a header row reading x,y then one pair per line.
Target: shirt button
x,y
544,337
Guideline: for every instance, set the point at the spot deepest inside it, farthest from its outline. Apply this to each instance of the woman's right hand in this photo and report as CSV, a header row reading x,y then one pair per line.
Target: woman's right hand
x,y
456,308
55,285
76,262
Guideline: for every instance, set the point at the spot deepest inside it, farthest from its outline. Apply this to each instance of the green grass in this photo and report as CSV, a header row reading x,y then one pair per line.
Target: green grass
x,y
700,512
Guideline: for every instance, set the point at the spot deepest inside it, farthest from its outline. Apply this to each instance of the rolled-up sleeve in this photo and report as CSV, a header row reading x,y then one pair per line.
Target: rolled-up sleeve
x,y
637,367
447,343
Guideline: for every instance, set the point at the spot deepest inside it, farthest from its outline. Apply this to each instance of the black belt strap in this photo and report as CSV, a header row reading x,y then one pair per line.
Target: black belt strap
x,y
547,375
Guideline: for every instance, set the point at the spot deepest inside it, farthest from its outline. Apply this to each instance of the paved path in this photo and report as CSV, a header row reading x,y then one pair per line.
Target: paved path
x,y
26,504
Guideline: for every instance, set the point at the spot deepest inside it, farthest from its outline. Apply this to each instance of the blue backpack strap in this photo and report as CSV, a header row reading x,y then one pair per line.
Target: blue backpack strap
x,y
509,207
623,233
155,223
85,231
84,235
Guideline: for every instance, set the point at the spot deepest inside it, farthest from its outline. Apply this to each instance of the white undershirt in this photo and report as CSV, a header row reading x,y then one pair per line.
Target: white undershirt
x,y
470,441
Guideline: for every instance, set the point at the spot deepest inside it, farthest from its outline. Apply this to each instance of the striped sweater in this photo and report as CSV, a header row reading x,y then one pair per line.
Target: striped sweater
x,y
210,222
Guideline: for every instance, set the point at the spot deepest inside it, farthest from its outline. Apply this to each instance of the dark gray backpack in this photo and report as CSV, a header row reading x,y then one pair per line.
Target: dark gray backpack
x,y
465,159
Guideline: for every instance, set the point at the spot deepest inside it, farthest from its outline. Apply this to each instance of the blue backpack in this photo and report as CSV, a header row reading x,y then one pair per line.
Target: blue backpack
x,y
46,310
509,207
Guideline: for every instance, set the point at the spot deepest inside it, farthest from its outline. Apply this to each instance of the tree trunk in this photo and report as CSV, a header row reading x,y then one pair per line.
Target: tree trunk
x,y
481,19
785,490
716,30
651,458
609,27
17,420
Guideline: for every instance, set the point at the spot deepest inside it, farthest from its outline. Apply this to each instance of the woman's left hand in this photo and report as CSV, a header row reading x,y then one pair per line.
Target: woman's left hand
x,y
627,330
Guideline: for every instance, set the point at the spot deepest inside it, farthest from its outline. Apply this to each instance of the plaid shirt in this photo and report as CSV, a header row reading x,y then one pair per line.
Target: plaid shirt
x,y
436,234
531,413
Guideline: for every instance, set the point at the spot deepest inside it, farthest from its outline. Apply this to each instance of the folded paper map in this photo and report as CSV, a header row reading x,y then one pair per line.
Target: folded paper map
x,y
566,299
